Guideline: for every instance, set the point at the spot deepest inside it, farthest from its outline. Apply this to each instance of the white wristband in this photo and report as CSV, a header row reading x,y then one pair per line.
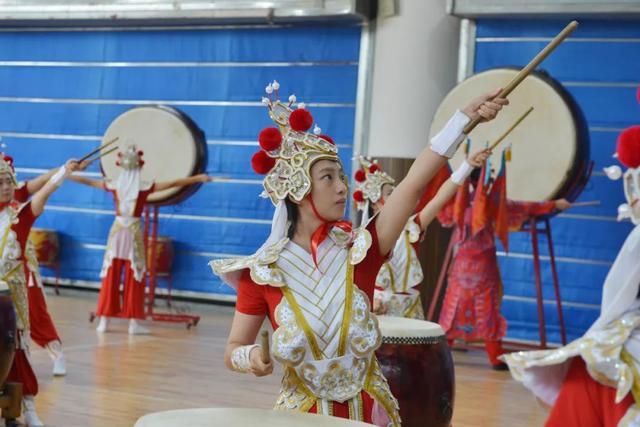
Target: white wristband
x,y
460,174
58,177
240,358
447,141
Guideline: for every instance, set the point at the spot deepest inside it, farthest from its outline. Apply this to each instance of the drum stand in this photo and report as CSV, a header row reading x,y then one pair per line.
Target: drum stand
x,y
152,277
532,227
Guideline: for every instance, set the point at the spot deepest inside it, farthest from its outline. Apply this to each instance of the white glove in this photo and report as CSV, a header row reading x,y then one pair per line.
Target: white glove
x,y
447,141
462,173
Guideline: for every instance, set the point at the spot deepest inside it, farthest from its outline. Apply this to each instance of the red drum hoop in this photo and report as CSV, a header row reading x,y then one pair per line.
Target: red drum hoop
x,y
174,148
550,148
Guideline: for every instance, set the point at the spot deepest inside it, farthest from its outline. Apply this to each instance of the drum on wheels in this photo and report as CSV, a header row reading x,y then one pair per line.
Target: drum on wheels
x,y
415,359
174,147
550,150
46,244
164,256
236,417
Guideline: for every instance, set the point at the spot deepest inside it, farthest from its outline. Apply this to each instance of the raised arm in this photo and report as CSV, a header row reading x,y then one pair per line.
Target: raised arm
x,y
450,187
203,177
403,200
96,183
41,196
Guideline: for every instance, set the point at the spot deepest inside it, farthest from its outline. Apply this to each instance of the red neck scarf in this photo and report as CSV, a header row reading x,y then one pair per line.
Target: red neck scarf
x,y
322,231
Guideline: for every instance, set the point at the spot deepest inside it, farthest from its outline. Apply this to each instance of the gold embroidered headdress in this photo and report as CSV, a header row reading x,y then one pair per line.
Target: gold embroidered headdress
x,y
288,151
130,158
628,153
6,166
370,179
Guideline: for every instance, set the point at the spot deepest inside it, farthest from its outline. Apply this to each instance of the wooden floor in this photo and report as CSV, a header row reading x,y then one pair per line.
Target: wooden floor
x,y
114,379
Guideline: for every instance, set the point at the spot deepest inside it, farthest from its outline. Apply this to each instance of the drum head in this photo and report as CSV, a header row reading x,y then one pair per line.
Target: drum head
x,y
400,327
550,148
174,147
236,417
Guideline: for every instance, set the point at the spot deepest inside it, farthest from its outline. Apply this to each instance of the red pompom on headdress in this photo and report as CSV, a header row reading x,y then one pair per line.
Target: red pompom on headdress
x,y
628,147
262,163
360,175
327,138
358,196
300,120
270,139
373,168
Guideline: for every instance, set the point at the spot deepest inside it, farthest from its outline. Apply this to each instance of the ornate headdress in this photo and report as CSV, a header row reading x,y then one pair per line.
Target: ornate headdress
x,y
6,166
369,182
628,153
130,159
288,151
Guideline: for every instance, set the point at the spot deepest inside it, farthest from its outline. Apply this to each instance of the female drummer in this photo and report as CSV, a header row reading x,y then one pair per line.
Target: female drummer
x,y
397,285
43,330
125,246
15,223
314,276
471,307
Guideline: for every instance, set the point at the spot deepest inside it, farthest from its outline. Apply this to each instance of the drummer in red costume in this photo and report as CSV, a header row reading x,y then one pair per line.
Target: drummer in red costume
x,y
43,330
594,381
125,247
314,277
471,307
16,221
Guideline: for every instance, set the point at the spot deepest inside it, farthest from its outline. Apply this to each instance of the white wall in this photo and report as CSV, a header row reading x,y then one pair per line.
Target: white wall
x,y
415,65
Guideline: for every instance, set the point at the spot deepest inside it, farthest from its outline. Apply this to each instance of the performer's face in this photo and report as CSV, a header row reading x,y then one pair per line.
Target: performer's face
x,y
7,187
328,189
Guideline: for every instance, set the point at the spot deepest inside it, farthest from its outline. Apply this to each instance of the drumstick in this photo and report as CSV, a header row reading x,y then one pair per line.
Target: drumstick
x,y
590,203
508,131
98,149
541,56
265,357
103,154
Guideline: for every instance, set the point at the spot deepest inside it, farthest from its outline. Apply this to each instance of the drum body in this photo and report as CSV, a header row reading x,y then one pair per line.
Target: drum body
x,y
164,256
7,334
46,245
416,361
550,148
174,147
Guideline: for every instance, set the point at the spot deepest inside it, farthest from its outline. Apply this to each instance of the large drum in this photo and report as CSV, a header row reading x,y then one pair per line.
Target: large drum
x,y
415,359
164,256
550,148
236,417
46,245
174,147
7,332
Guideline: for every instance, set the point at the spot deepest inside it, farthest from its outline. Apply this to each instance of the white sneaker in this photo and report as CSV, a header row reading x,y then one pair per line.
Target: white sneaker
x,y
137,329
31,418
59,362
103,324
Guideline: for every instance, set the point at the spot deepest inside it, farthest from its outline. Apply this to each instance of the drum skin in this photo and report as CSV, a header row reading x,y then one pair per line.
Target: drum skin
x,y
550,148
7,334
421,376
164,256
173,145
46,245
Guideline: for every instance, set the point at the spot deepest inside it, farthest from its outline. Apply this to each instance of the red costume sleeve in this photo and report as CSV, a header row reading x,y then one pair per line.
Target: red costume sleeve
x,y
21,194
584,402
251,297
366,272
519,212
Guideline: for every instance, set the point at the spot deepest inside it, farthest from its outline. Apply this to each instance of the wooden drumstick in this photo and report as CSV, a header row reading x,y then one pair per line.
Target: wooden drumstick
x,y
522,74
265,357
590,203
508,131
102,147
103,154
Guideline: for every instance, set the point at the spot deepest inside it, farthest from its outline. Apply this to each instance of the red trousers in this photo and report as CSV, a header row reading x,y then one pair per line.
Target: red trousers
x,y
109,305
43,330
22,372
584,402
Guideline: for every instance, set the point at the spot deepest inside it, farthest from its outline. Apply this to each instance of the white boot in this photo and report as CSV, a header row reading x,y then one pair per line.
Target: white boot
x,y
59,361
103,324
137,329
29,411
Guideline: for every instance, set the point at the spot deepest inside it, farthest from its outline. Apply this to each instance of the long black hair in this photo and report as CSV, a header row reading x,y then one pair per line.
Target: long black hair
x,y
293,215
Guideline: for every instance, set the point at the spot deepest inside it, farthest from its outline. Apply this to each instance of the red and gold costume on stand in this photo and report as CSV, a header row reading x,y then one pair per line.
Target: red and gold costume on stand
x,y
318,304
594,381
471,307
125,246
397,283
